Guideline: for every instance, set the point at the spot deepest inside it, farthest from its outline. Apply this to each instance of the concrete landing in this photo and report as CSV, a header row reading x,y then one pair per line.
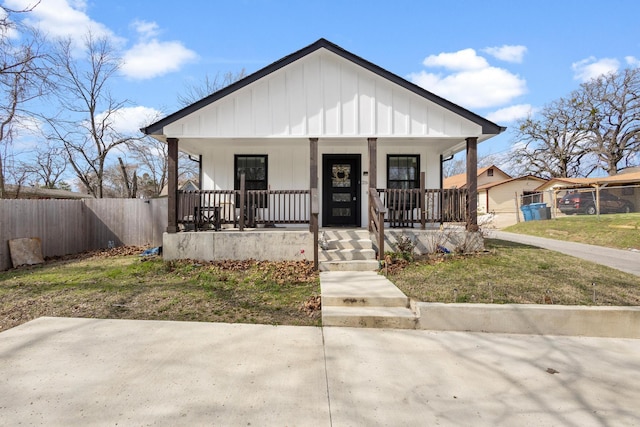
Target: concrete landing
x,y
364,299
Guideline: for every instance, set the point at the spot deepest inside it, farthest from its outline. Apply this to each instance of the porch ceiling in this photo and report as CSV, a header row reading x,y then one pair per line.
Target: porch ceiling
x,y
445,146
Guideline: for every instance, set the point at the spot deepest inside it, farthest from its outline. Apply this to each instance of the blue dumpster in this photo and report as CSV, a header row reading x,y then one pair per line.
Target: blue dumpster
x,y
526,212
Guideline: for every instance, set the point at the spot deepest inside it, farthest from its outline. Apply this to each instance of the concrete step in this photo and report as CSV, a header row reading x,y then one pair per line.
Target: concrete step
x,y
350,244
370,289
369,317
345,234
355,265
347,254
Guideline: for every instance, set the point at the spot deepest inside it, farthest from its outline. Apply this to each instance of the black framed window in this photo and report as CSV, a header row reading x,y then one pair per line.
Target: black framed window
x,y
403,171
254,168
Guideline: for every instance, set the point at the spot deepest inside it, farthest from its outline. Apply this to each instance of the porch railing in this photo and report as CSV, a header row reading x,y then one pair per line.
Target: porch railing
x,y
210,209
377,212
409,207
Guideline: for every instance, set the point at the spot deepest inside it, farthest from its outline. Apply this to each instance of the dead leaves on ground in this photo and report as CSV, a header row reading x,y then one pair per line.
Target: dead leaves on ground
x,y
312,306
281,272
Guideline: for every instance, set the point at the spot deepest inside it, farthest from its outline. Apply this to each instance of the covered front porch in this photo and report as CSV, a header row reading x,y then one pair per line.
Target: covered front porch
x,y
319,139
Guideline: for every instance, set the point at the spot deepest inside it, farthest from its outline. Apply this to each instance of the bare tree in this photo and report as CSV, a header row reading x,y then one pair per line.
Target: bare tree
x,y
195,92
129,178
613,104
555,143
23,77
152,158
455,166
86,124
48,166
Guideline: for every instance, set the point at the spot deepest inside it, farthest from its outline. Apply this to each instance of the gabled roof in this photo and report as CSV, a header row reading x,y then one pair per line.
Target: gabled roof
x,y
622,178
487,126
519,178
460,180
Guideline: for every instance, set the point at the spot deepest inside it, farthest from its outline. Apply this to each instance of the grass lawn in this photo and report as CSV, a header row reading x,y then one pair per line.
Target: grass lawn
x,y
621,231
130,287
515,273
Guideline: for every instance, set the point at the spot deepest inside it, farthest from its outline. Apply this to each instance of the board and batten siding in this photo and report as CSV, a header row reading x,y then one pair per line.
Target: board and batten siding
x,y
73,226
320,95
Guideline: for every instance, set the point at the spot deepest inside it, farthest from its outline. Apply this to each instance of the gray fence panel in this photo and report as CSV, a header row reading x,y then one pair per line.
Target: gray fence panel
x,y
74,226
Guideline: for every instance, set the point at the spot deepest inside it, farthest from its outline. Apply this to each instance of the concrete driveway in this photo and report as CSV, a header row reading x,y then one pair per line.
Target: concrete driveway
x,y
79,372
623,260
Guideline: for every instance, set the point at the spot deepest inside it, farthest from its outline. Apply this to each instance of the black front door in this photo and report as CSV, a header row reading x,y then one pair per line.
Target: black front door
x,y
341,190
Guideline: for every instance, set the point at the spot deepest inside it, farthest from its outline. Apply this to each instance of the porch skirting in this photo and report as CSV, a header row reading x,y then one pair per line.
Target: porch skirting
x,y
270,245
453,239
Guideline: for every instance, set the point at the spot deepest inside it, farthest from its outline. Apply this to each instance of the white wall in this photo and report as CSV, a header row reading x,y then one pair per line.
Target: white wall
x,y
322,94
288,162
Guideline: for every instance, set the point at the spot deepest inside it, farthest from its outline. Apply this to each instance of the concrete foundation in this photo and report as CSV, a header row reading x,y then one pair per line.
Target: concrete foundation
x,y
609,322
272,245
454,239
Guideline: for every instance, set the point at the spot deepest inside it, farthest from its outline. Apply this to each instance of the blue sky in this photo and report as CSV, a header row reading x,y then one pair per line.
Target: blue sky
x,y
500,59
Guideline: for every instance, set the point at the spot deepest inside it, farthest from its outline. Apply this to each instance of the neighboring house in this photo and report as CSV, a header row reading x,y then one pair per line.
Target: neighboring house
x,y
486,175
625,185
189,185
13,191
320,130
499,194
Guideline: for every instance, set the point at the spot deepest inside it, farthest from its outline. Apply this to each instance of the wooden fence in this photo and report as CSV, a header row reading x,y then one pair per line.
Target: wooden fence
x,y
74,226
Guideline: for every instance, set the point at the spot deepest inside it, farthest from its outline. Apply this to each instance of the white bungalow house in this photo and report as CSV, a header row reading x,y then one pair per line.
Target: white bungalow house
x,y
320,131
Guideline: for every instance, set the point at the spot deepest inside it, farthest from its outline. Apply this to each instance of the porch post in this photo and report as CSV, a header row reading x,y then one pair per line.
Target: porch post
x,y
313,178
172,185
373,173
472,184
373,162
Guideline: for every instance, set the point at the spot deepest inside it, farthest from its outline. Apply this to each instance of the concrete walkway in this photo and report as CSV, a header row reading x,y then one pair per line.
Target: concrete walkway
x,y
627,261
79,372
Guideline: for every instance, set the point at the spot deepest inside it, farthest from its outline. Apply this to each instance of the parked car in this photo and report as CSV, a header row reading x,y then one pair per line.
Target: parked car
x,y
585,202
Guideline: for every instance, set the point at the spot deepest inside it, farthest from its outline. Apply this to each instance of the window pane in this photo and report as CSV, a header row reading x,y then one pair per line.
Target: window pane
x,y
403,171
341,197
341,212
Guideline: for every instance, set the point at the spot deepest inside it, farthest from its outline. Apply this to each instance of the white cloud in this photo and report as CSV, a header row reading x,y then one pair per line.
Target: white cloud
x,y
507,53
632,61
472,82
153,58
590,68
129,120
465,59
510,114
63,19
145,29
7,31
484,88
148,58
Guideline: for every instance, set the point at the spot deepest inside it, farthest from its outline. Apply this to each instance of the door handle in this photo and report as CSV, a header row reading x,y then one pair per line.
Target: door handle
x,y
354,198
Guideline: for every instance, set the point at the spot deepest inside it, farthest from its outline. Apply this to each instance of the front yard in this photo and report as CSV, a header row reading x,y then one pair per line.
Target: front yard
x,y
116,286
515,273
119,284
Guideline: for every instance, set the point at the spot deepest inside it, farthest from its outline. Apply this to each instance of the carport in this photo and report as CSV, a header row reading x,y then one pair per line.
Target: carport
x,y
625,185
